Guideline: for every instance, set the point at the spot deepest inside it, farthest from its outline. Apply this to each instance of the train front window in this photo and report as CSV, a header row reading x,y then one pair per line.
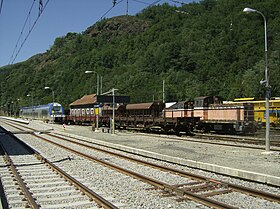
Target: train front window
x,y
57,109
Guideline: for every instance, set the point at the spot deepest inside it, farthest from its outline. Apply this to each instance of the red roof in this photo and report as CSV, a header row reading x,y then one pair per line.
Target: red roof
x,y
85,100
139,106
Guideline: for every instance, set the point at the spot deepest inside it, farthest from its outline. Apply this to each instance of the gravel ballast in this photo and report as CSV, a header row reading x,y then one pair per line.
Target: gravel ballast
x,y
125,191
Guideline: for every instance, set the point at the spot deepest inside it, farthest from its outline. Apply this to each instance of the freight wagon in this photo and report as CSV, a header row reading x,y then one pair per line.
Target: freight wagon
x,y
152,117
204,113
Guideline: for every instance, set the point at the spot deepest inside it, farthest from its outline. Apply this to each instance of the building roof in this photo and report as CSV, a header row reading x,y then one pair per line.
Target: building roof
x,y
85,100
139,106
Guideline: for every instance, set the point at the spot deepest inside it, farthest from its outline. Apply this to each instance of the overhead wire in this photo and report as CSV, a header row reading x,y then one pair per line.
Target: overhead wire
x,y
142,2
126,7
149,4
1,5
116,3
41,9
178,2
22,30
155,2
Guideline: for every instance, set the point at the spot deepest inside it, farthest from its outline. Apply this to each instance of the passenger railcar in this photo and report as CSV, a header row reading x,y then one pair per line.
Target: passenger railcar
x,y
48,112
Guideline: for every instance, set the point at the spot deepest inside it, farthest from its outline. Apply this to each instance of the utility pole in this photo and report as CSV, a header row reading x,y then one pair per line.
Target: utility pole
x,y
163,91
126,7
113,101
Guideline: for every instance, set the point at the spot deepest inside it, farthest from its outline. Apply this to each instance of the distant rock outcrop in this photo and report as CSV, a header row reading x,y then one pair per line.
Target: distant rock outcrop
x,y
117,26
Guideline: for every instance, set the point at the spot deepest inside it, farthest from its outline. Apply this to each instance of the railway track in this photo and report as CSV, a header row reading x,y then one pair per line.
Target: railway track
x,y
197,188
32,181
257,142
224,140
242,141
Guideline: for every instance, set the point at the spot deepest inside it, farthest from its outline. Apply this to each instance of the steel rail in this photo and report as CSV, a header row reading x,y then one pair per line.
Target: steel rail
x,y
23,187
242,189
91,194
214,143
243,139
197,198
203,136
170,188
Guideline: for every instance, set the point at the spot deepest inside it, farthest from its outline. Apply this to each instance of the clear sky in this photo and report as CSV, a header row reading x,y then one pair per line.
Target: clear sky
x,y
57,19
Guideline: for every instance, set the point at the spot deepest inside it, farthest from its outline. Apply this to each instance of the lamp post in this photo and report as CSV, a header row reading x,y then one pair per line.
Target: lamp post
x,y
266,81
18,107
97,84
53,113
29,95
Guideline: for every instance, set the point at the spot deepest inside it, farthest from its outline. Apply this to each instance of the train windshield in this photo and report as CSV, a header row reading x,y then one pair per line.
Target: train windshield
x,y
57,109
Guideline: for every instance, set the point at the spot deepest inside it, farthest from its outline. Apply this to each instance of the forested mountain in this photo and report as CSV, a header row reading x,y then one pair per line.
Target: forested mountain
x,y
213,48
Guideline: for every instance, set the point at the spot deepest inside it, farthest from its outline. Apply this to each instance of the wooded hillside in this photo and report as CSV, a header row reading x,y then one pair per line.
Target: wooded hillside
x,y
212,49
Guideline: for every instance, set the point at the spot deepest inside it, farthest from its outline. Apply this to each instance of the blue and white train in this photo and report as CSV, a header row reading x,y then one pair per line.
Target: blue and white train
x,y
48,112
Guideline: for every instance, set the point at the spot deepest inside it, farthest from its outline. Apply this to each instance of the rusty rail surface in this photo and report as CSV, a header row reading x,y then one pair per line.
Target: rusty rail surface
x,y
195,197
28,195
245,190
85,190
215,139
156,183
